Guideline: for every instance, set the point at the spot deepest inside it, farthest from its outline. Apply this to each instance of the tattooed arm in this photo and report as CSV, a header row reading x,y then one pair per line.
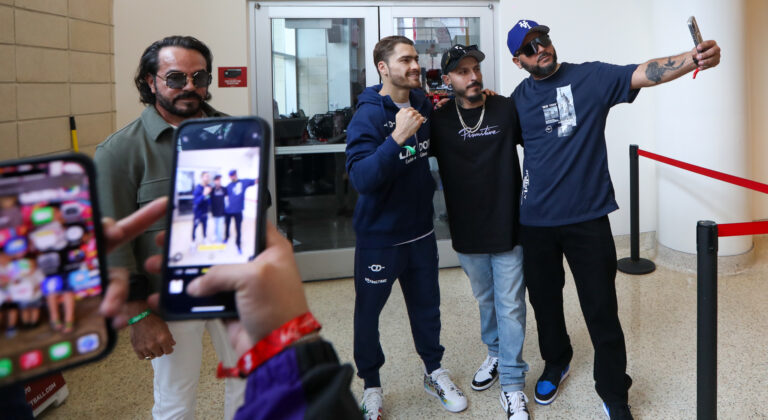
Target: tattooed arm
x,y
661,70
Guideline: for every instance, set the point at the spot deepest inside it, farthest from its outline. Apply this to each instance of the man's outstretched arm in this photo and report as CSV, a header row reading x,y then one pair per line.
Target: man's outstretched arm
x,y
661,70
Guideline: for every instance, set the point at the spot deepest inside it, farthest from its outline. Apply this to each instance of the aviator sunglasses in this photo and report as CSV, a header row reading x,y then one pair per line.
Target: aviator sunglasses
x,y
177,79
532,48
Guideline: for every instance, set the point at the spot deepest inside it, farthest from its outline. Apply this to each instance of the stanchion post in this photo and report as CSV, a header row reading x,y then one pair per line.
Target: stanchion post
x,y
706,354
634,264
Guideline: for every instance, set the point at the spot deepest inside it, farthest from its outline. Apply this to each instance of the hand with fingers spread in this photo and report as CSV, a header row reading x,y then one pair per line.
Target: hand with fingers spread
x,y
407,123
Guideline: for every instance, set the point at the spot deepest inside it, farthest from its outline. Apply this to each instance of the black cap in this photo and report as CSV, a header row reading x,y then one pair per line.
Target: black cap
x,y
454,54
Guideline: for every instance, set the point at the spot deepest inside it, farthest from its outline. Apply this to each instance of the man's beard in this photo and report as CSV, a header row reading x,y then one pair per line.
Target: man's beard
x,y
170,104
540,71
462,93
405,82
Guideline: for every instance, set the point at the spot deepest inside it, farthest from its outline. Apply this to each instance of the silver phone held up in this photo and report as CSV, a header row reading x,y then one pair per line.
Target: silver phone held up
x,y
695,33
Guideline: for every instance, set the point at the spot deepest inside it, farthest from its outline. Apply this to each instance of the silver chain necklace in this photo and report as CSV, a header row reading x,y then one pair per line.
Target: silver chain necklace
x,y
470,130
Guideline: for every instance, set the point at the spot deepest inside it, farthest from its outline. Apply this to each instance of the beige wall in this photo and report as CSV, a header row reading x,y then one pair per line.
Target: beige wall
x,y
220,24
55,61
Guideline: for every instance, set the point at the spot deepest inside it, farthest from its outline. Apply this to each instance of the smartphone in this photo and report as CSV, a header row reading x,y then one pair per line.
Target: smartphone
x,y
695,33
217,210
52,267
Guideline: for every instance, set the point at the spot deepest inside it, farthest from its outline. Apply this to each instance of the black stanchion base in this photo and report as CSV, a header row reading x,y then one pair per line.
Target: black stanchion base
x,y
639,266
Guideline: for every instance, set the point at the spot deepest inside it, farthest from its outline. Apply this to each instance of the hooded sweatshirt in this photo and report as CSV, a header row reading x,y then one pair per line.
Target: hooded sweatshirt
x,y
201,202
395,185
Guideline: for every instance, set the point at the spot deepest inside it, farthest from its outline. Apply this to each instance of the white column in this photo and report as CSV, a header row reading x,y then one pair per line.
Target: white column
x,y
703,122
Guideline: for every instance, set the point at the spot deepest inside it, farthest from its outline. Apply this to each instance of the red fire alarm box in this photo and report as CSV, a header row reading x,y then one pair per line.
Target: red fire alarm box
x,y
233,76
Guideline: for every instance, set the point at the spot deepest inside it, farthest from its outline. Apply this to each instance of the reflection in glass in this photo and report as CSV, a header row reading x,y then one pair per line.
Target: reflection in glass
x,y
318,72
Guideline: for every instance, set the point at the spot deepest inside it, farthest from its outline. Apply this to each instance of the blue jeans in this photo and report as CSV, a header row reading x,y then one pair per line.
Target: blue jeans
x,y
218,228
497,283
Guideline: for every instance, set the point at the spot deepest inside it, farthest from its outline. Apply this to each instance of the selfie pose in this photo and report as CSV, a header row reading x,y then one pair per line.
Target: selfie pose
x,y
235,205
567,195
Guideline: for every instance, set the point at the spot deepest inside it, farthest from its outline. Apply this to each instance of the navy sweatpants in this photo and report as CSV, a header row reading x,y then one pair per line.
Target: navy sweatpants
x,y
415,265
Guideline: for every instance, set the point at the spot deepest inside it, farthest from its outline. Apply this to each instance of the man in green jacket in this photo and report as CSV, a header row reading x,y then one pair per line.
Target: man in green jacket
x,y
135,166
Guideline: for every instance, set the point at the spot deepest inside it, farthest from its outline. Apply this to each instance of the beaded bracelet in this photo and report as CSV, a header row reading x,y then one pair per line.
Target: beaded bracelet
x,y
272,344
139,317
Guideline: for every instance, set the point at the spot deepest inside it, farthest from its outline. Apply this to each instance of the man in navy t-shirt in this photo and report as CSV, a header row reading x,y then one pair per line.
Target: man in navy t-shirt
x,y
235,205
567,195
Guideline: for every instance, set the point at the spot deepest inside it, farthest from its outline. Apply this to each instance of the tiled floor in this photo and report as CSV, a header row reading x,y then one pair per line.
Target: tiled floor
x,y
658,312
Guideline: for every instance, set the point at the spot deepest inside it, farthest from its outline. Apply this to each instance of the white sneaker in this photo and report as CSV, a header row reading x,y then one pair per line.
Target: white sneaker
x,y
515,405
487,374
373,399
439,384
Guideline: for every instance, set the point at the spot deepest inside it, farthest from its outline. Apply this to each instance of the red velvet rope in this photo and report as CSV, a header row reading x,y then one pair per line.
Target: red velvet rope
x,y
742,182
741,229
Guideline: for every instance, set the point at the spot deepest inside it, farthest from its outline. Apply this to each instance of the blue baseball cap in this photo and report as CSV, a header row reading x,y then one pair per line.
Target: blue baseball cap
x,y
518,32
233,172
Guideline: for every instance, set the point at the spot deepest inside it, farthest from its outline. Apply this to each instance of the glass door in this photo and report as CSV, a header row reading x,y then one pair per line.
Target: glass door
x,y
310,63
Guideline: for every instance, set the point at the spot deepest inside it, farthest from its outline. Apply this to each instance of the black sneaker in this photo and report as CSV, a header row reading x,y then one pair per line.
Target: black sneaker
x,y
618,411
549,384
487,374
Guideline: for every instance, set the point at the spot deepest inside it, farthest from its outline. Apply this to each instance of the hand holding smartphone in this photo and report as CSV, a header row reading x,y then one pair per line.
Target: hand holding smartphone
x,y
693,27
52,267
217,210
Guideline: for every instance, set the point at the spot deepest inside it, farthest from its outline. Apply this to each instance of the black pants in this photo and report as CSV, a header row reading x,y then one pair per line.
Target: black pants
x,y
238,226
198,221
591,254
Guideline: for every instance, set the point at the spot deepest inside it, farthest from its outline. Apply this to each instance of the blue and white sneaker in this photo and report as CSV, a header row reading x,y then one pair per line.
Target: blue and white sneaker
x,y
439,384
549,383
618,411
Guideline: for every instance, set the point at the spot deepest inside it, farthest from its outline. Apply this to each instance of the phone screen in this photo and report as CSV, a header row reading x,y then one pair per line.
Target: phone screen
x,y
51,268
217,211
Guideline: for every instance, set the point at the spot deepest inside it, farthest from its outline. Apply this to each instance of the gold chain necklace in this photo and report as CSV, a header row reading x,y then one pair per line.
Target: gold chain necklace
x,y
469,130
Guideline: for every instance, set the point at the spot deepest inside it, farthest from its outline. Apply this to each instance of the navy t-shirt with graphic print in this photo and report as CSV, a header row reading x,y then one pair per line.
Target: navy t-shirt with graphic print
x,y
480,173
565,165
